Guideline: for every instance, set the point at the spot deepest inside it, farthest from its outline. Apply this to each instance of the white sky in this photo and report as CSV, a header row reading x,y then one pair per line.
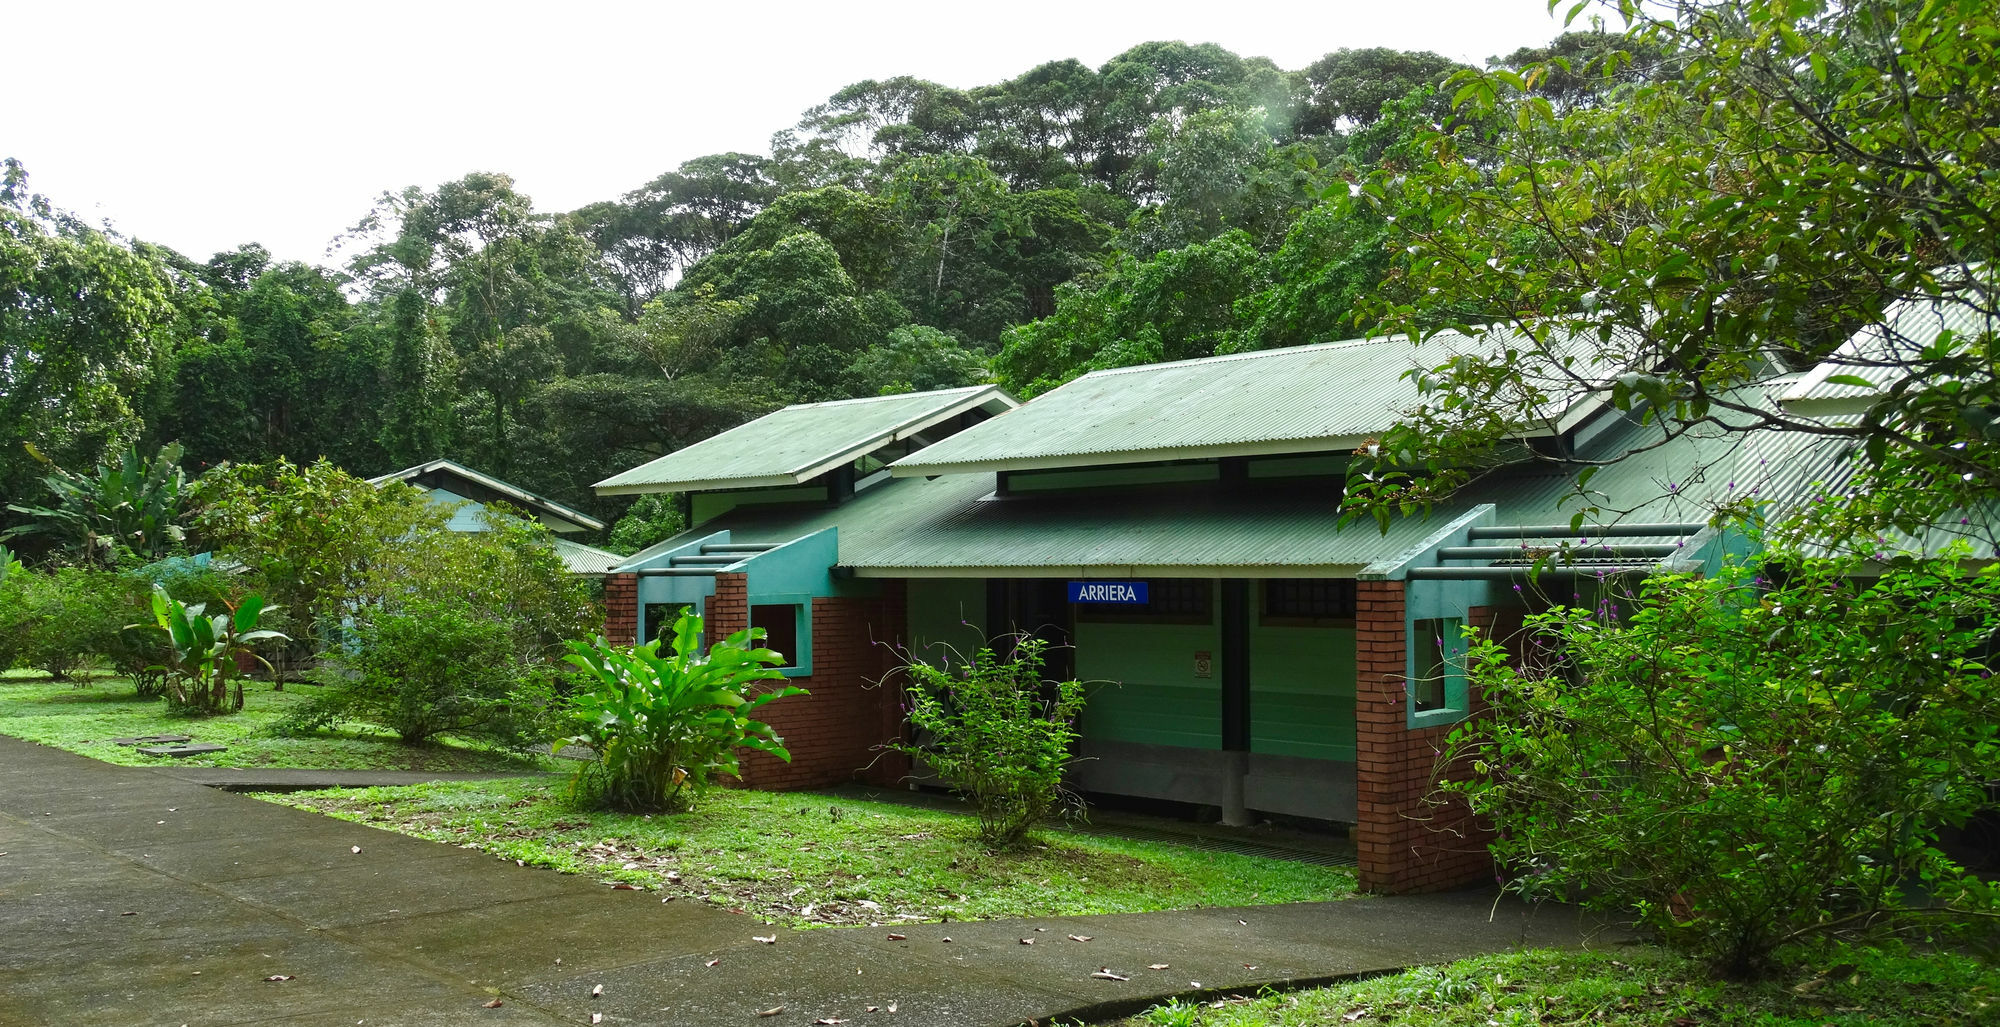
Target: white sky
x,y
202,125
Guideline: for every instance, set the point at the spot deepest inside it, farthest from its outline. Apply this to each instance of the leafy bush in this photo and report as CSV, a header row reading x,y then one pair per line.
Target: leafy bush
x,y
1747,766
999,733
132,507
663,726
205,652
428,669
140,651
61,621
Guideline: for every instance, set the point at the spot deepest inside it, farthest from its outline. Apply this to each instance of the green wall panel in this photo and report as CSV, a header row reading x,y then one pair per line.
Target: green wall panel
x,y
1144,685
946,612
1302,692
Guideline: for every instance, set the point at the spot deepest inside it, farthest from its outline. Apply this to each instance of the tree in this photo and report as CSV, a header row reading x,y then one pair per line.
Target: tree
x,y
1746,764
1817,168
1347,89
917,358
133,508
86,327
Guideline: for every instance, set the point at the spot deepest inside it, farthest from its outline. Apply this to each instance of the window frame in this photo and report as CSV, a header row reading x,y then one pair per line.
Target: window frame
x,y
1446,636
801,604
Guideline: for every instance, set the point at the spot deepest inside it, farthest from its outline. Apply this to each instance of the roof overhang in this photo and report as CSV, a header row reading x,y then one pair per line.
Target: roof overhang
x,y
528,500
992,399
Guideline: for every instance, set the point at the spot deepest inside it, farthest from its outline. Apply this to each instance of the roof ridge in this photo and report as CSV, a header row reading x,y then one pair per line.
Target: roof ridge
x,y
1219,358
877,399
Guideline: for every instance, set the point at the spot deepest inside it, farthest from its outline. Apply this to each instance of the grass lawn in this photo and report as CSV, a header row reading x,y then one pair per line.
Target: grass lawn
x,y
804,859
82,719
1633,987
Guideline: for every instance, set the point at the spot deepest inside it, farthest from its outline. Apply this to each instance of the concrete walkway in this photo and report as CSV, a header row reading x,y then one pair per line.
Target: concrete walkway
x,y
137,896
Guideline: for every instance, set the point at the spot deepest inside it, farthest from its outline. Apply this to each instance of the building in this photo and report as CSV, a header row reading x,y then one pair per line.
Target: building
x,y
1176,526
449,483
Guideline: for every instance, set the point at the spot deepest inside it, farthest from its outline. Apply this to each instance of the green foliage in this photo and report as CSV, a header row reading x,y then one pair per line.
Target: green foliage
x,y
1631,986
1744,765
652,518
428,668
999,733
1712,221
140,650
134,507
62,621
205,651
308,535
916,358
664,726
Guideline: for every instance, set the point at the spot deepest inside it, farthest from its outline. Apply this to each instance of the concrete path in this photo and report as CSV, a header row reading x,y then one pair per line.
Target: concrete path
x,y
136,896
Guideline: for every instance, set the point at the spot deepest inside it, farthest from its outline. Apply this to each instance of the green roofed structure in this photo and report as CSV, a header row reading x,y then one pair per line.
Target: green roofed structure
x,y
1174,529
471,492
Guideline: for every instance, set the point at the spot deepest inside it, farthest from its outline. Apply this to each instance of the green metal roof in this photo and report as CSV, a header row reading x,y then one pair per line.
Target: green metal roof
x,y
1320,398
557,516
578,558
1883,354
799,443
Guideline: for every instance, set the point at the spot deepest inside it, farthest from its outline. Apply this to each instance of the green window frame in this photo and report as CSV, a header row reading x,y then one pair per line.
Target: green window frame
x,y
1436,691
801,604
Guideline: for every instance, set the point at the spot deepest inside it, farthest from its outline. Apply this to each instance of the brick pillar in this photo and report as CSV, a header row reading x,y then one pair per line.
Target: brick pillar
x,y
1406,838
621,608
728,610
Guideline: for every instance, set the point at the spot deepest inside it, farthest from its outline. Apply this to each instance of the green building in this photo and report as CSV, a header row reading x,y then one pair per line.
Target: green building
x,y
1260,657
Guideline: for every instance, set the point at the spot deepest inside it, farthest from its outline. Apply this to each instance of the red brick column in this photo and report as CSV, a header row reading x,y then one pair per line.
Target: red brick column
x,y
1407,838
621,608
728,610
834,734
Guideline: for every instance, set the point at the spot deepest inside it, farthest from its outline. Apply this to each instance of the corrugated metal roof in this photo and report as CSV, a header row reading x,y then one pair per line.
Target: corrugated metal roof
x,y
912,527
552,513
800,442
578,558
1884,353
1318,398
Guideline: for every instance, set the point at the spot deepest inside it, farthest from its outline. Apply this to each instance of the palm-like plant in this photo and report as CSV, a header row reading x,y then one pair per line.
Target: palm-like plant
x,y
135,504
203,649
663,726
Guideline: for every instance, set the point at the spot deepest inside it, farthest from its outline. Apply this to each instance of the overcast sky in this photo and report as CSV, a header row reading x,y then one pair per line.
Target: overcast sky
x,y
204,125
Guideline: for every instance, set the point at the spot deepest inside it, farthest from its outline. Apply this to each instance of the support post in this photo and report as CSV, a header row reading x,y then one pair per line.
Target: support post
x,y
1235,698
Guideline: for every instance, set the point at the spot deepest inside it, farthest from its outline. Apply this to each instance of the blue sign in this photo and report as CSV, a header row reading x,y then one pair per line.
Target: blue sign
x,y
1107,592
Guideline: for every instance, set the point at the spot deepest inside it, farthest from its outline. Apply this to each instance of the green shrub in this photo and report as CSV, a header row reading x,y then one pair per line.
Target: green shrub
x,y
428,669
140,651
62,621
1746,766
999,733
206,651
663,726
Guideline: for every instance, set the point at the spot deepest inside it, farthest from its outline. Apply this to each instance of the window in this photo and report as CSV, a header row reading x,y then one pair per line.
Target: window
x,y
1168,601
1437,685
1308,602
660,618
787,623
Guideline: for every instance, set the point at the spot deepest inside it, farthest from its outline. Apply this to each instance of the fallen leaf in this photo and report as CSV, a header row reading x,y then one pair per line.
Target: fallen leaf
x,y
1247,966
356,850
773,1011
129,914
1156,966
1079,937
597,992
892,1007
827,1021
808,911
1027,941
1356,1015
1041,930
871,1009
945,939
898,937
279,977
712,962
768,939
622,886
1245,923
1105,974
597,1018
495,1004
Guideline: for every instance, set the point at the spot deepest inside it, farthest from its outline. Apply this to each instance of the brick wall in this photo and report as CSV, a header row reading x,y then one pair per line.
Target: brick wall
x,y
855,703
621,608
1407,838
